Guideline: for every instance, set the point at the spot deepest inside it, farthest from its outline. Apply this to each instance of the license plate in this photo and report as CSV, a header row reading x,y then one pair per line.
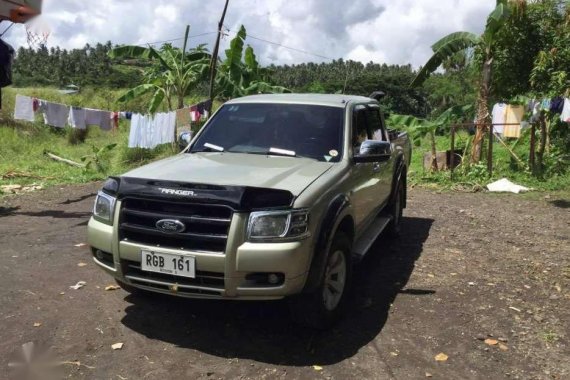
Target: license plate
x,y
167,263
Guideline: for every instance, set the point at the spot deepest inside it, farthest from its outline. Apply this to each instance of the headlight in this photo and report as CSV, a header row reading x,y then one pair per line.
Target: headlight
x,y
104,207
278,225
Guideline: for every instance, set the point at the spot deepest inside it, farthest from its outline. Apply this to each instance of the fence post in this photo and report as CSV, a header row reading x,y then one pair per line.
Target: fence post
x,y
452,156
532,147
490,151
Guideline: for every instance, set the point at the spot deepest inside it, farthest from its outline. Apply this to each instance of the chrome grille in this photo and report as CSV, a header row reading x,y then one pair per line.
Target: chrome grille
x,y
206,225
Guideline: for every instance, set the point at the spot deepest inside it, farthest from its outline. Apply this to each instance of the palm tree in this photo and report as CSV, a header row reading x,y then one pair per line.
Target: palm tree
x,y
485,45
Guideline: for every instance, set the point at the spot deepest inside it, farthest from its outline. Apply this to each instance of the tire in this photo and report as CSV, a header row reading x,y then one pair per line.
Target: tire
x,y
396,210
322,308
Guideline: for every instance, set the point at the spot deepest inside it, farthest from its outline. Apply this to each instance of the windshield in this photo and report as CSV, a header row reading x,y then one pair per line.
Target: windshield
x,y
276,129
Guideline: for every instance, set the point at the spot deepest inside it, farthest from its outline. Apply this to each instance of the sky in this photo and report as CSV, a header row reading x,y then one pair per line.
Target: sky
x,y
382,31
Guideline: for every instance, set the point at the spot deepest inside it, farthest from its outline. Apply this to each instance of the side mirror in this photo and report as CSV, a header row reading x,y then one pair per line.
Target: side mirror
x,y
184,139
374,151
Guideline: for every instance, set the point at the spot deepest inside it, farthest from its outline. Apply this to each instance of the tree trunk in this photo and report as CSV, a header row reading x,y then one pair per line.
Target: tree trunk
x,y
541,148
433,152
483,117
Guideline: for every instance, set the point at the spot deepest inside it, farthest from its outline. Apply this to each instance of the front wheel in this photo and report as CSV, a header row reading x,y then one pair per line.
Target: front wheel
x,y
321,308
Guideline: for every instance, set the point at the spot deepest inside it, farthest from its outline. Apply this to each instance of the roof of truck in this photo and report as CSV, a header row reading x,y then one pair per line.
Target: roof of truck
x,y
334,100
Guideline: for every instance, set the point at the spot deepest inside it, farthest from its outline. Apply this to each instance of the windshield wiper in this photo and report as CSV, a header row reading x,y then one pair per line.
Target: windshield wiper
x,y
282,152
210,148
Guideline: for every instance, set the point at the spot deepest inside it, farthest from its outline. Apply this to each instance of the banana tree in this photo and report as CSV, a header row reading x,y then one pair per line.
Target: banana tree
x,y
483,45
240,73
420,128
172,72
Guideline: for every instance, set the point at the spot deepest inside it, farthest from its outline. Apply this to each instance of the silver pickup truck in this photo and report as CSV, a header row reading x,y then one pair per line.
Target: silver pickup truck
x,y
275,197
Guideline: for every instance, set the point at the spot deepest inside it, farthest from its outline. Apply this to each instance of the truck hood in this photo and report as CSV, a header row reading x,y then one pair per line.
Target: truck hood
x,y
293,174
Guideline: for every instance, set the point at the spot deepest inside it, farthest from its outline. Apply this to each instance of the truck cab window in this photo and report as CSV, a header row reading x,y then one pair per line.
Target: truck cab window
x,y
376,125
359,129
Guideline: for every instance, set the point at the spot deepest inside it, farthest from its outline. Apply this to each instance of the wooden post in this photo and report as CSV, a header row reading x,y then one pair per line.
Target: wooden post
x,y
214,60
532,147
490,151
452,156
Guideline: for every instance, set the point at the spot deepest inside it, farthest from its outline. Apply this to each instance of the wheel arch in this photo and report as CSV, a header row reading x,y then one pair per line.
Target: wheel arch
x,y
337,217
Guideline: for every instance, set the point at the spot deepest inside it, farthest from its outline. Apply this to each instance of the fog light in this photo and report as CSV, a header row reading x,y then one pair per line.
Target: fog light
x,y
273,278
99,254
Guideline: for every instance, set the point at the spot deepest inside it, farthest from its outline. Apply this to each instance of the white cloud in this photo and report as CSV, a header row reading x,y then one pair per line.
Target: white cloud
x,y
384,31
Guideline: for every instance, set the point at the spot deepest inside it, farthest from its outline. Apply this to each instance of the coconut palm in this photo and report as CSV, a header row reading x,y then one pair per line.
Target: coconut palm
x,y
485,46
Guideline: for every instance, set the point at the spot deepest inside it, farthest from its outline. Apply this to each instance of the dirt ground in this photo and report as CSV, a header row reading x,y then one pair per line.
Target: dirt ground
x,y
468,267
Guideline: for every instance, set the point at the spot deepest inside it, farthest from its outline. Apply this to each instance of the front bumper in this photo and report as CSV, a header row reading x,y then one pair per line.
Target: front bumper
x,y
228,275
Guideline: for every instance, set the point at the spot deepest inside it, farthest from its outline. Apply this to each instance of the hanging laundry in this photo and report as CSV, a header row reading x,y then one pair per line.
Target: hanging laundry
x,y
165,123
99,118
77,116
556,104
55,114
194,114
545,106
513,115
149,131
125,115
36,104
534,109
24,108
498,119
565,116
137,125
115,120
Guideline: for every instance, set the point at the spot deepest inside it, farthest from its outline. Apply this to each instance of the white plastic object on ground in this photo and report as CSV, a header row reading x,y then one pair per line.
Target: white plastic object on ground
x,y
504,185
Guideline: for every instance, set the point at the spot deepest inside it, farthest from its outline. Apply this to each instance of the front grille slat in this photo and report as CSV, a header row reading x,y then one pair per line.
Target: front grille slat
x,y
206,229
181,235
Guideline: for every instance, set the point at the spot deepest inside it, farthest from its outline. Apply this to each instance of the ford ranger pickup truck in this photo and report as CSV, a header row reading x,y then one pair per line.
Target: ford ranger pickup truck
x,y
276,196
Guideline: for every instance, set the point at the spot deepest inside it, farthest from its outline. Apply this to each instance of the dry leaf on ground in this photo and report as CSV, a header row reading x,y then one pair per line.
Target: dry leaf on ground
x,y
491,342
81,264
112,287
441,357
317,368
37,324
117,346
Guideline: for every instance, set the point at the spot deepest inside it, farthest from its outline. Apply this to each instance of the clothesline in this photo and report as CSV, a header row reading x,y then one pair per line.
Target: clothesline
x,y
507,118
146,131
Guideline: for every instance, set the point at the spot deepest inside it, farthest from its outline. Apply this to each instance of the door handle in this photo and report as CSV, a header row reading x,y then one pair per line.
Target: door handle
x,y
376,167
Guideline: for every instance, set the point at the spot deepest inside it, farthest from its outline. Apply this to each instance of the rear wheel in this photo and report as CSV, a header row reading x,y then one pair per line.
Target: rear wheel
x,y
321,308
396,209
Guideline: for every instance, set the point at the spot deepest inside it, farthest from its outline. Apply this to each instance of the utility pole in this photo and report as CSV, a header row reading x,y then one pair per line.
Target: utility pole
x,y
214,60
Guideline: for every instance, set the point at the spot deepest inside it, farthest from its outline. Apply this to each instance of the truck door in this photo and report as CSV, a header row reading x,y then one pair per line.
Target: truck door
x,y
363,176
382,171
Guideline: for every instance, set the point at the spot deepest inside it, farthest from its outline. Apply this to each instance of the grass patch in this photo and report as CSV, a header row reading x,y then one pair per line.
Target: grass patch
x,y
475,177
23,145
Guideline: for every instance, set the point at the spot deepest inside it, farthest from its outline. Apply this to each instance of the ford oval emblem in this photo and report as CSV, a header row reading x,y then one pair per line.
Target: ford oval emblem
x,y
170,225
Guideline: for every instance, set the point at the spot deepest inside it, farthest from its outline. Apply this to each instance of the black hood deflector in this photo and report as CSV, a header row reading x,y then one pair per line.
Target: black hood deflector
x,y
239,198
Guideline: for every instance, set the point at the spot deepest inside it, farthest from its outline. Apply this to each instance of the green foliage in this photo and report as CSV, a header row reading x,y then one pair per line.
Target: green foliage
x,y
172,72
96,160
89,66
351,77
22,145
444,49
240,75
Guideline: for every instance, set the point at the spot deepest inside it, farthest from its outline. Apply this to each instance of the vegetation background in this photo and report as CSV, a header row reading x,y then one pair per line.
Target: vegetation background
x,y
531,60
